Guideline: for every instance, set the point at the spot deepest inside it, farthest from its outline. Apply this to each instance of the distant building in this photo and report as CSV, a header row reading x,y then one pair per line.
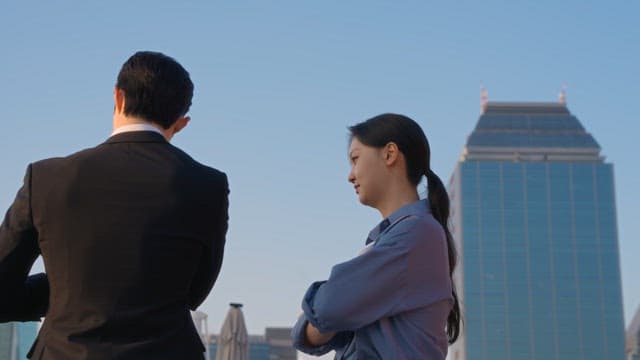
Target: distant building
x,y
16,339
632,348
534,219
275,344
258,347
280,344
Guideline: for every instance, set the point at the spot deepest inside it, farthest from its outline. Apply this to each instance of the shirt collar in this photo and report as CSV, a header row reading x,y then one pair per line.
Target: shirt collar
x,y
136,127
420,208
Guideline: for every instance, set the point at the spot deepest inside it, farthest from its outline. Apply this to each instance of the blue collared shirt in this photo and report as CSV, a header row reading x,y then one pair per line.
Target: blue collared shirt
x,y
392,300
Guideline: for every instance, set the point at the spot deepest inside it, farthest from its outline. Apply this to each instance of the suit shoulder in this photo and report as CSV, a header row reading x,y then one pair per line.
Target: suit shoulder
x,y
216,176
215,173
205,169
53,162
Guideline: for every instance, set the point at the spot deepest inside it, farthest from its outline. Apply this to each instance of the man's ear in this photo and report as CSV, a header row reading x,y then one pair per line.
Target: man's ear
x,y
118,100
391,153
180,124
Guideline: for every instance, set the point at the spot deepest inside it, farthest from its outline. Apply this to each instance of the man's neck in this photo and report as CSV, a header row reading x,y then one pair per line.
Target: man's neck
x,y
122,120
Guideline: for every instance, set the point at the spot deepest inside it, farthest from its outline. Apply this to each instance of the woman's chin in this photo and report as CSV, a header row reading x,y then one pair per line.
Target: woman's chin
x,y
363,200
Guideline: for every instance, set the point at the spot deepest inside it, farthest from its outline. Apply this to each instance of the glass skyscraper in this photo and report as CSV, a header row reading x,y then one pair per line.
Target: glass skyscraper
x,y
534,219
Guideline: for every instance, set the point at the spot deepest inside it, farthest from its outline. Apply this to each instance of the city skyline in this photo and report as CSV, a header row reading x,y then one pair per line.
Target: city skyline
x,y
277,85
273,343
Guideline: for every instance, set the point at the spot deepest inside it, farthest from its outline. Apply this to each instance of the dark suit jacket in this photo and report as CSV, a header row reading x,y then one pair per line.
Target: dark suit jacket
x,y
132,234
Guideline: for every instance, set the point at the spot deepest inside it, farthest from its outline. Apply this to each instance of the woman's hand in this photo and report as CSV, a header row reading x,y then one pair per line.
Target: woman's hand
x,y
315,338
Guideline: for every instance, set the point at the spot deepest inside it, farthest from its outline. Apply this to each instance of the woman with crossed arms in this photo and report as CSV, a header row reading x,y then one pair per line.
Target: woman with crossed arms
x,y
396,299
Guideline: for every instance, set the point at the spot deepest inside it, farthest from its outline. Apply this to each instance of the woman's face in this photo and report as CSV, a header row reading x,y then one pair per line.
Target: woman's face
x,y
368,172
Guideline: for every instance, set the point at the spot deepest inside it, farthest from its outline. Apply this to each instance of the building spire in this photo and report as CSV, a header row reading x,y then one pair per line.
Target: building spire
x,y
484,98
562,97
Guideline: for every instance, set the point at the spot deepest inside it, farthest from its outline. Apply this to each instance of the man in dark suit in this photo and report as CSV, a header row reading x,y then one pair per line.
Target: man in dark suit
x,y
131,231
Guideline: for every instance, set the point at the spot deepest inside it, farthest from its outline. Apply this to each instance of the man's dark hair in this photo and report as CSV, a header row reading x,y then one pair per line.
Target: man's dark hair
x,y
156,88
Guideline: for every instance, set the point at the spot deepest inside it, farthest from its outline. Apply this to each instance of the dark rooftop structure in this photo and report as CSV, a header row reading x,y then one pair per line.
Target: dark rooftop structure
x,y
532,131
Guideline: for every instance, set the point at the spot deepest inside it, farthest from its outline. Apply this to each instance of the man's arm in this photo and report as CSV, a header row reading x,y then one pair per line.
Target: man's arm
x,y
211,260
23,297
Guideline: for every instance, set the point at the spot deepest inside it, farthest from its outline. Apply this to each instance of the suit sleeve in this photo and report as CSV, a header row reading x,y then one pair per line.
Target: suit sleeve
x,y
24,297
211,261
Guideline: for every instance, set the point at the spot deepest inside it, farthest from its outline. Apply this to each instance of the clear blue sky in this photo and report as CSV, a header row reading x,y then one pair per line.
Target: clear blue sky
x,y
277,83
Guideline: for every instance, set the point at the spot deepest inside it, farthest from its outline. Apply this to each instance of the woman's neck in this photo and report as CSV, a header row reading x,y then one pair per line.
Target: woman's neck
x,y
396,200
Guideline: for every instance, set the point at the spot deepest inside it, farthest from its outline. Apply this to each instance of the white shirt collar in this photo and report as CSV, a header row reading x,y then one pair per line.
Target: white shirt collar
x,y
136,127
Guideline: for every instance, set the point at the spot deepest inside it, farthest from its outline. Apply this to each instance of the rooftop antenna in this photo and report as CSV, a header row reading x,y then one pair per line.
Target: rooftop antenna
x,y
562,97
484,98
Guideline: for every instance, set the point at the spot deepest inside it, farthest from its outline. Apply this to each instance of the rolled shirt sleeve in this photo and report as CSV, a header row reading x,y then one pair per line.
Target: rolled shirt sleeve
x,y
298,334
362,290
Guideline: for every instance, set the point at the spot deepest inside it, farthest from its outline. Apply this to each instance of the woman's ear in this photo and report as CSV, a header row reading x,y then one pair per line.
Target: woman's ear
x,y
391,153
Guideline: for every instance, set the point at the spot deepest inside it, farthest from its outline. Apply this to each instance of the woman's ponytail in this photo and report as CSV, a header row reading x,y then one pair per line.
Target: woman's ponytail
x,y
439,204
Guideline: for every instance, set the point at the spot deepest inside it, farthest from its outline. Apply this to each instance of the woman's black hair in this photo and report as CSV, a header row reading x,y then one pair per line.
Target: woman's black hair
x,y
413,144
